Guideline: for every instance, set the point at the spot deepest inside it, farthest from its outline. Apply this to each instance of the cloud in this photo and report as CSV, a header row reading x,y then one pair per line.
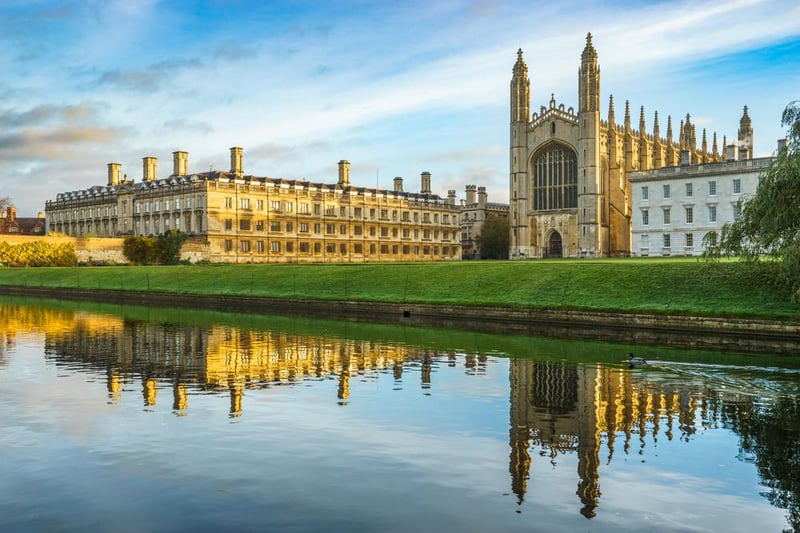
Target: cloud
x,y
149,79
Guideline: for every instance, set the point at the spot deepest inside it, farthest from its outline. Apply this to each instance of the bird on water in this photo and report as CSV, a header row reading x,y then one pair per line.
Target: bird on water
x,y
635,361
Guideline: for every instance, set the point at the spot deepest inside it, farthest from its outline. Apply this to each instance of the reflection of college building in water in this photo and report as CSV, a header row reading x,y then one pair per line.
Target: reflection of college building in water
x,y
566,408
220,358
570,188
234,217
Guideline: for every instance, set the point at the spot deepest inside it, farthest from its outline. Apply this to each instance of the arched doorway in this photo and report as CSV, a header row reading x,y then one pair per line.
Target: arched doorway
x,y
554,247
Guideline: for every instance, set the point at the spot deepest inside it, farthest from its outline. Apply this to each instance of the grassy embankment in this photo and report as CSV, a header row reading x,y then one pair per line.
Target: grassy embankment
x,y
668,286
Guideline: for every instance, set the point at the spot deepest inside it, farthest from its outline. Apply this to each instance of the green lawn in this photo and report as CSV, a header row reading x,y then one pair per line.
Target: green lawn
x,y
670,286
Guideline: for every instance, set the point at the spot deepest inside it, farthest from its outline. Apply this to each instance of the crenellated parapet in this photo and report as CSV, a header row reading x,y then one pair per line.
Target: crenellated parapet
x,y
553,112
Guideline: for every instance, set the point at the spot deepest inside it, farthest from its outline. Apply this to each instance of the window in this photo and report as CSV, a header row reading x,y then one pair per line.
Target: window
x,y
274,226
342,211
228,202
384,213
260,247
667,215
244,203
555,178
667,193
407,216
712,188
228,224
244,225
690,240
712,213
384,232
275,205
260,205
690,215
343,229
645,240
645,192
188,203
303,227
711,238
688,190
317,212
304,247
228,245
244,246
317,247
330,229
317,228
737,211
358,230
290,247
357,248
357,213
737,186
330,211
343,249
667,243
288,207
645,217
303,208
274,246
259,225
330,248
289,227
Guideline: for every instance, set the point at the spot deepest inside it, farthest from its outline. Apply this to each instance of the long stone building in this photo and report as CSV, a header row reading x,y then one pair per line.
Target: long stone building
x,y
569,190
240,218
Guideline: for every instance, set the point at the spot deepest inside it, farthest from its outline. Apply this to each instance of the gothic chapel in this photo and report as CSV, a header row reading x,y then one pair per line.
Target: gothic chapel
x,y
569,180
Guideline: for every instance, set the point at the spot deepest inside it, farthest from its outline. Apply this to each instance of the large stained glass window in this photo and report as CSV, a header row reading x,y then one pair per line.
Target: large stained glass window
x,y
555,178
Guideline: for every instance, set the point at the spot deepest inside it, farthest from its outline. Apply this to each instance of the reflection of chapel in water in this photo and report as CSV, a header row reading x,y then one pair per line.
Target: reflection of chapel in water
x,y
561,408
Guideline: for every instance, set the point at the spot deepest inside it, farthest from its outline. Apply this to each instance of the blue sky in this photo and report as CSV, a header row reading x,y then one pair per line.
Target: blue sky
x,y
397,88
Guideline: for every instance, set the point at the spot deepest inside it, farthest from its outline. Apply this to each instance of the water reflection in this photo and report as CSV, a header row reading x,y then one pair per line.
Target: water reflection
x,y
592,412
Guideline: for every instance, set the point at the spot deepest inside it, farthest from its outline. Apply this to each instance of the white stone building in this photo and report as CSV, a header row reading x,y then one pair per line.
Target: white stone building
x,y
675,208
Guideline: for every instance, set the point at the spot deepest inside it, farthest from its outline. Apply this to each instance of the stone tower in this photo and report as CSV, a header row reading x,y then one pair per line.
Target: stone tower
x,y
518,193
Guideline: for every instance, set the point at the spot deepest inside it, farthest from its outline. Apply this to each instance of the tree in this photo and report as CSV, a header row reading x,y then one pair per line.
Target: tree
x,y
769,227
169,247
164,249
5,202
493,240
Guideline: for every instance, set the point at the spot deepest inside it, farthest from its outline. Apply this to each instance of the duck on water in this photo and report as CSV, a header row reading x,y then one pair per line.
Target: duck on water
x,y
635,361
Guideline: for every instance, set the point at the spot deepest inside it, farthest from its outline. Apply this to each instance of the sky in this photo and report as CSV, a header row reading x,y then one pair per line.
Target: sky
x,y
396,88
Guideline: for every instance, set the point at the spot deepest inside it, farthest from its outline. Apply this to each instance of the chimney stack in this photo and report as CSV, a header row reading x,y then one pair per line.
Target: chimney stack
x,y
732,152
236,161
114,170
451,197
426,182
398,184
150,172
180,163
482,197
470,194
344,173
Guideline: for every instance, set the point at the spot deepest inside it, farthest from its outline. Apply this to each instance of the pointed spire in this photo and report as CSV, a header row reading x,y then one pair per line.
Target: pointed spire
x,y
669,129
642,125
611,118
682,137
714,147
704,146
589,52
724,143
627,115
656,129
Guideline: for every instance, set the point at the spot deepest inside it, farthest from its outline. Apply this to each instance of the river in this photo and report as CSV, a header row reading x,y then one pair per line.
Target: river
x,y
125,418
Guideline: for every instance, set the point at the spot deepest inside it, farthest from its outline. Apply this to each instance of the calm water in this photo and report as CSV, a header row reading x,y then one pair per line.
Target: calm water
x,y
135,419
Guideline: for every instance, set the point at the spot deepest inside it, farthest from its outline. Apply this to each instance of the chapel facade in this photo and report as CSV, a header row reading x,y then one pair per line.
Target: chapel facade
x,y
569,180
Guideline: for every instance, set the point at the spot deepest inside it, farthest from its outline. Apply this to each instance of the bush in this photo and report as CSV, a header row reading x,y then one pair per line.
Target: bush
x,y
38,253
164,249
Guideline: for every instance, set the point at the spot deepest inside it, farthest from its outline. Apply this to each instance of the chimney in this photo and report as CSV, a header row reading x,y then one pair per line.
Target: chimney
x,y
150,168
482,197
732,152
344,173
426,183
686,157
451,197
180,163
12,213
114,170
236,160
471,194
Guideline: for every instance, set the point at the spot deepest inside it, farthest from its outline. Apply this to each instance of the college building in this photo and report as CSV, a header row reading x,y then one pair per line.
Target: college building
x,y
237,218
569,181
475,210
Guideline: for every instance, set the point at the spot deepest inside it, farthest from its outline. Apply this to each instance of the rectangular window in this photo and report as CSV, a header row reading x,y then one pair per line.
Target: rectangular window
x,y
304,247
260,205
317,228
303,227
357,248
358,230
303,208
407,216
384,232
737,212
343,249
690,240
228,224
712,188
667,243
274,246
228,202
245,203
645,240
384,214
259,225
330,211
688,190
274,226
666,191
290,247
712,213
343,229
330,229
317,212
228,245
737,186
330,248
188,203
260,247
288,207
690,215
244,225
342,211
357,213
244,246
667,215
645,217
289,227
275,205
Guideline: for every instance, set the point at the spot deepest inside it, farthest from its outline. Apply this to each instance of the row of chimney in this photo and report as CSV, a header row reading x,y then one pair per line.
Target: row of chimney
x,y
180,166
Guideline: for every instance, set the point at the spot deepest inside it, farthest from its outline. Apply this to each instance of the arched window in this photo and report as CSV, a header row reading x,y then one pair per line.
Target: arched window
x,y
555,178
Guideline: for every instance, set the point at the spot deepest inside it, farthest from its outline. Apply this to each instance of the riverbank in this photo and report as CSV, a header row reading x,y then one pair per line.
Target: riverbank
x,y
725,305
